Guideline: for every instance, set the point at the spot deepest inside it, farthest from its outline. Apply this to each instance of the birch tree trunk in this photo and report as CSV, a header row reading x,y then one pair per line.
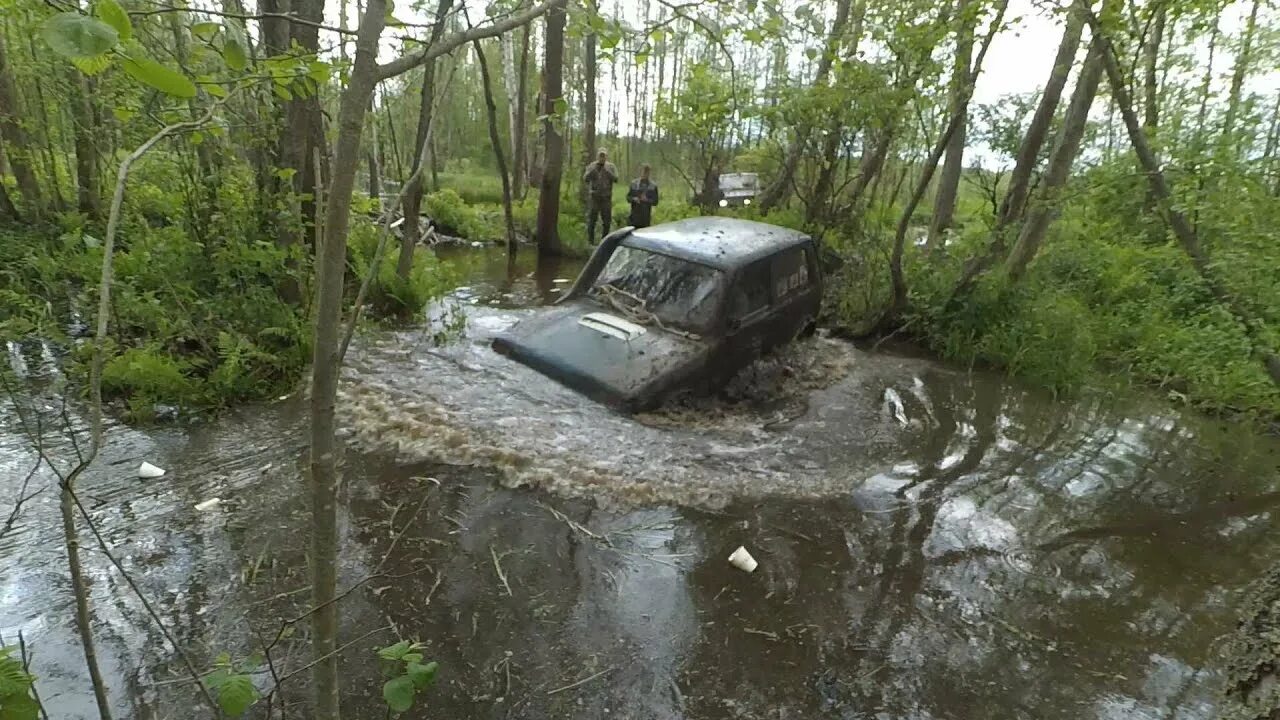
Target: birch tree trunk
x,y
1060,161
1028,157
519,144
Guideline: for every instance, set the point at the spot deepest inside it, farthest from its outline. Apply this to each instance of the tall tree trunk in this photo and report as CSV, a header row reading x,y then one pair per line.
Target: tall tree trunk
x,y
273,190
944,204
777,190
495,139
1028,157
1243,60
1182,228
552,92
330,273
520,133
88,194
1151,68
1060,161
410,231
17,146
589,105
304,122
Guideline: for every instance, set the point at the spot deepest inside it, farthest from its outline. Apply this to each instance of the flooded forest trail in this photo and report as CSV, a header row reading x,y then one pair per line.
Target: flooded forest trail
x,y
933,542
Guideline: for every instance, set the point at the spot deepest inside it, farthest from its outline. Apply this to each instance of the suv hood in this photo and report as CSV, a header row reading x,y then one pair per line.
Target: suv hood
x,y
601,354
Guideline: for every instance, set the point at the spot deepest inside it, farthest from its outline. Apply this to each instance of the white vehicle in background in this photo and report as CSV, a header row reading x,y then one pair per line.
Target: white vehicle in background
x,y
738,189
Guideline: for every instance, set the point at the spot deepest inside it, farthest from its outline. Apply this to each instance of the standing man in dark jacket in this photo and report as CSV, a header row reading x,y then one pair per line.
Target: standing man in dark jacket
x,y
643,196
599,179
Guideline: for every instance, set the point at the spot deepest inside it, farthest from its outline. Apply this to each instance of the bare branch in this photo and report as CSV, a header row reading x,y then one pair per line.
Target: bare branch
x,y
448,44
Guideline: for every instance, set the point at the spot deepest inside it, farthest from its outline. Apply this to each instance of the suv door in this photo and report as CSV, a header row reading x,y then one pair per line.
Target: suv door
x,y
795,290
750,306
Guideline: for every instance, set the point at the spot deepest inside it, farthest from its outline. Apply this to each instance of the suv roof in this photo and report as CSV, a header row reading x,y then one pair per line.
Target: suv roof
x,y
723,243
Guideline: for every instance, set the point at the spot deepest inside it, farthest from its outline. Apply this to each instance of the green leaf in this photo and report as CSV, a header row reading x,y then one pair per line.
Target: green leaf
x,y
236,695
205,30
318,70
413,657
164,79
92,64
421,675
74,35
235,49
283,92
215,89
400,649
398,692
123,114
19,707
112,14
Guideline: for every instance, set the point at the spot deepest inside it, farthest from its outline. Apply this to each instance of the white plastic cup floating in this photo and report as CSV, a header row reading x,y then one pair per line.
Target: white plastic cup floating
x,y
742,560
147,471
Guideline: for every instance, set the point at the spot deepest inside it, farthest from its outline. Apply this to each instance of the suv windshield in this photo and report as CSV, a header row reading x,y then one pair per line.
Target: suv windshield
x,y
647,285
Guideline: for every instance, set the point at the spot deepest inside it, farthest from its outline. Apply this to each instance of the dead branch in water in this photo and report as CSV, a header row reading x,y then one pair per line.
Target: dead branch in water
x,y
583,681
497,566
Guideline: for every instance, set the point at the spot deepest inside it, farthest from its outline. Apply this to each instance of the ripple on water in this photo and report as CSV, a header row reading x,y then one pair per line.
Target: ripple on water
x,y
697,452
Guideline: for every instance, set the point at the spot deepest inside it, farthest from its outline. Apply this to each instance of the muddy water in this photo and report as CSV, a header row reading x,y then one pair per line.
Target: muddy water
x,y
933,543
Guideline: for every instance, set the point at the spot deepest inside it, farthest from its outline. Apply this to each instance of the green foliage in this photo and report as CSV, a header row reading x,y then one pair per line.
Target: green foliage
x,y
197,319
74,35
454,216
1096,300
392,296
110,12
408,675
16,702
232,685
164,79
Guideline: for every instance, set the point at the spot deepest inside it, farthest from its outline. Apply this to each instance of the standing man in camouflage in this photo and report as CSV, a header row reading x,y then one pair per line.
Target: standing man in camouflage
x,y
599,179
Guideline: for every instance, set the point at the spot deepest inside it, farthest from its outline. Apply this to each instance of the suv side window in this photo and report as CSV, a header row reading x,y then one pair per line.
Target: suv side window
x,y
791,271
750,291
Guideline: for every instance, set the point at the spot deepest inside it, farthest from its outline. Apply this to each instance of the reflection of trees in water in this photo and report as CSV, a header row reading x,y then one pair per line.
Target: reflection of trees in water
x,y
1082,606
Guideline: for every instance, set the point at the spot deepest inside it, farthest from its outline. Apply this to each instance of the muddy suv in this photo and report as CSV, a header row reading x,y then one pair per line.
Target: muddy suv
x,y
673,307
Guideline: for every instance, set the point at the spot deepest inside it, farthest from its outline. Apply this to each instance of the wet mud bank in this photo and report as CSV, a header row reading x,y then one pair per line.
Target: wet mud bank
x,y
932,543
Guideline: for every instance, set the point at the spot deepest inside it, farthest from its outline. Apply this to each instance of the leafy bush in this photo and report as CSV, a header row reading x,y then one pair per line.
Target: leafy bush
x,y
390,295
453,216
